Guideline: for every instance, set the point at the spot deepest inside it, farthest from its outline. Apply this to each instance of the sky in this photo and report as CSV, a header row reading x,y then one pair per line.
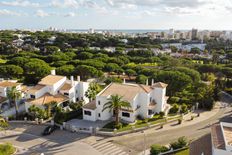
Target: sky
x,y
116,14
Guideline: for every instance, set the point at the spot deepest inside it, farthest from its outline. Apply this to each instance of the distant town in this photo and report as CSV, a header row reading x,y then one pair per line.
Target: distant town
x,y
115,93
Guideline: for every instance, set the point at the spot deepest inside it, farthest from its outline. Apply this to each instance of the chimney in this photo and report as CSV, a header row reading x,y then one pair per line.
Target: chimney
x,y
124,81
53,72
78,79
72,80
152,82
147,82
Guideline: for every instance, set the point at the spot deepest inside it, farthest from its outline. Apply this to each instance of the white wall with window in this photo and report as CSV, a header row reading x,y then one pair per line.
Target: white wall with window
x,y
89,115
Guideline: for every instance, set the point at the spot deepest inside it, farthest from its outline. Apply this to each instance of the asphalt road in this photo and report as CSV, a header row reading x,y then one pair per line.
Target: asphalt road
x,y
135,141
28,141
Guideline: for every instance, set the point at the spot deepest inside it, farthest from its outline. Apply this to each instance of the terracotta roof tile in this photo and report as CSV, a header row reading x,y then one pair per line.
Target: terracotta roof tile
x,y
47,98
160,85
91,105
8,84
51,79
36,88
66,86
127,91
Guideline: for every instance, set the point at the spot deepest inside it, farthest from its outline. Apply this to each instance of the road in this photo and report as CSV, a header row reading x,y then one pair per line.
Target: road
x,y
28,140
135,141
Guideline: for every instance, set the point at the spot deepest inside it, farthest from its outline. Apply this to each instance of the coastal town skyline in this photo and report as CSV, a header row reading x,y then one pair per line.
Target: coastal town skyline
x,y
112,14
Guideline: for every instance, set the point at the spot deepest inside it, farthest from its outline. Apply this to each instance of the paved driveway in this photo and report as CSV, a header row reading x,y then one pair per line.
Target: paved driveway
x,y
86,124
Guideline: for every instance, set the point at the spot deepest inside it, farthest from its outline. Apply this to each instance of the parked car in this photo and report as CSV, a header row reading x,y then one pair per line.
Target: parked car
x,y
49,129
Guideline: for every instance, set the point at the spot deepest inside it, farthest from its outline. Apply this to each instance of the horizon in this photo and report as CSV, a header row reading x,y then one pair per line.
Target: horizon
x,y
115,14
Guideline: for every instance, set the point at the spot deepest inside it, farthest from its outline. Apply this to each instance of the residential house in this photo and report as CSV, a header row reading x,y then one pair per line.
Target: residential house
x,y
219,142
57,88
144,100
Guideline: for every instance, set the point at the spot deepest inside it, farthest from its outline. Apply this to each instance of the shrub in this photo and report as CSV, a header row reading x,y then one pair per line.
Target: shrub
x,y
180,143
6,149
184,108
37,112
119,126
161,114
157,149
174,109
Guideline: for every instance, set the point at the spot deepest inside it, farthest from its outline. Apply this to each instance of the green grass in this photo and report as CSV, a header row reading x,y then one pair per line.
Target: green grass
x,y
183,152
6,149
139,123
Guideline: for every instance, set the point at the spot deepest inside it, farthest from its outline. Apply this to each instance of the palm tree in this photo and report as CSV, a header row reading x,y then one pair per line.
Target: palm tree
x,y
115,103
13,95
49,107
92,91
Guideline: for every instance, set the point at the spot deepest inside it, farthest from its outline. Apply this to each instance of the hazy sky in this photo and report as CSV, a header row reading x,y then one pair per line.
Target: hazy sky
x,y
116,14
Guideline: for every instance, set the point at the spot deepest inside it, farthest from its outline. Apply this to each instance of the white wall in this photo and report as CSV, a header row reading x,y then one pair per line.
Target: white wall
x,y
57,86
159,95
106,114
93,116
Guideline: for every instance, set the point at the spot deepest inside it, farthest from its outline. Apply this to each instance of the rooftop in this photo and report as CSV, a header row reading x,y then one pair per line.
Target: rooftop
x,y
91,105
66,86
48,98
51,79
36,88
228,135
8,84
160,85
217,137
127,91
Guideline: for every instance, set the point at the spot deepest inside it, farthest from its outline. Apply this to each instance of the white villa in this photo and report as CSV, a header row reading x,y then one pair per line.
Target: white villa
x,y
6,85
145,101
56,88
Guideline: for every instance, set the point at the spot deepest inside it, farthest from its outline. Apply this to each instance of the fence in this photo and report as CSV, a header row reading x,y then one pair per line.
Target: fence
x,y
73,128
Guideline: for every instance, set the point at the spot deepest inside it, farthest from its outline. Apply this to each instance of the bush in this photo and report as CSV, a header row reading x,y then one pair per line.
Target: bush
x,y
184,108
161,114
119,126
6,149
157,149
76,106
174,109
180,143
38,112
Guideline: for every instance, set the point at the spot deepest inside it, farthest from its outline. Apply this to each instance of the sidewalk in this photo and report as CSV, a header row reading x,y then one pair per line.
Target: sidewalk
x,y
204,115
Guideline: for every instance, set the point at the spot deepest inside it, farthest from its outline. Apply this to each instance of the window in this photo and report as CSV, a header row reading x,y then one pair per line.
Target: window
x,y
125,114
32,96
150,112
66,94
99,115
99,103
150,99
87,113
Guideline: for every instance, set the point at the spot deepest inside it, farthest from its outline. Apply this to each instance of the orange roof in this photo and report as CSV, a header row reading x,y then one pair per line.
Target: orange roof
x,y
48,98
51,79
36,88
127,91
91,105
217,137
160,85
66,86
8,84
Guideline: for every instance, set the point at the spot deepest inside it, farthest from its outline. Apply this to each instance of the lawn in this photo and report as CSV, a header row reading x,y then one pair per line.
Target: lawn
x,y
183,152
6,149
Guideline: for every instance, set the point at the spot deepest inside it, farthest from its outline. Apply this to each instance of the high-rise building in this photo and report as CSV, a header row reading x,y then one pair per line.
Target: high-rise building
x,y
194,34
